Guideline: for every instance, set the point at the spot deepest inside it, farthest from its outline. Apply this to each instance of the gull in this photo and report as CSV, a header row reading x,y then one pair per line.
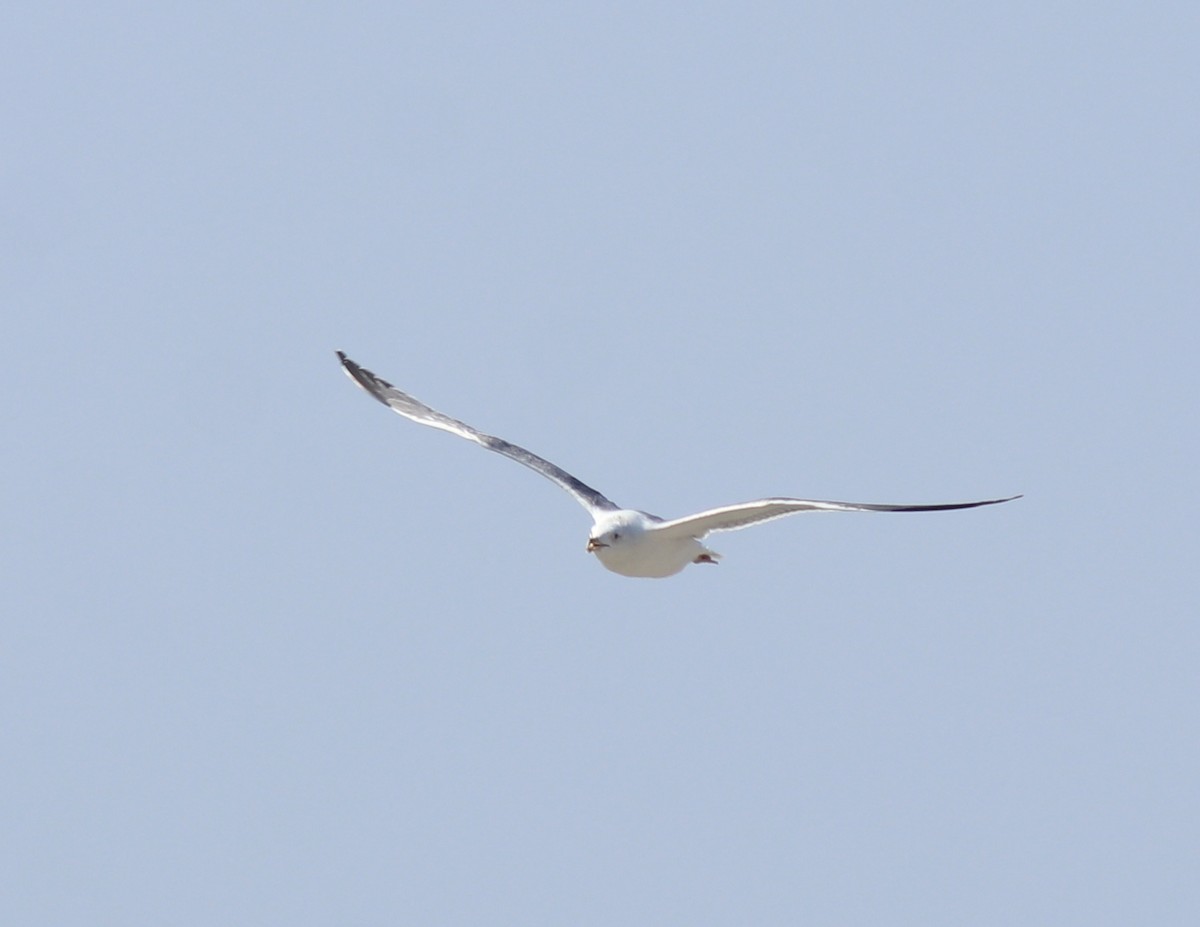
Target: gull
x,y
628,541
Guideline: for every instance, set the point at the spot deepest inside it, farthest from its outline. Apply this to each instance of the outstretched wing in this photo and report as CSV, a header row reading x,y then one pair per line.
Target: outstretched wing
x,y
732,517
416,410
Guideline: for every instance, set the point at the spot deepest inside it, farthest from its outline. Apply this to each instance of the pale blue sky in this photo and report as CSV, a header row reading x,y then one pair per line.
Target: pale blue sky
x,y
274,656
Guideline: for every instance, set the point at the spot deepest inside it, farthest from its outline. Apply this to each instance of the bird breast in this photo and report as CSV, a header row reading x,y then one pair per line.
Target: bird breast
x,y
647,555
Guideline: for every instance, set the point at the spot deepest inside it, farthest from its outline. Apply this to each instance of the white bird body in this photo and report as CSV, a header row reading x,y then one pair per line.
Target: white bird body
x,y
633,544
628,541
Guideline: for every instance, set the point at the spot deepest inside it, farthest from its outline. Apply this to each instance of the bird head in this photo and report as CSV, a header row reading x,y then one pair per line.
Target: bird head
x,y
615,530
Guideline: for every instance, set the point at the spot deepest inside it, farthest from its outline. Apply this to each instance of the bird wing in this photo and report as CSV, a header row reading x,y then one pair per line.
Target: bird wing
x,y
732,517
416,410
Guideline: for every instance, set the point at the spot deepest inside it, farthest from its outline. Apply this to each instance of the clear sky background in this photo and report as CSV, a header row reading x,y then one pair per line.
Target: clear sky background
x,y
272,655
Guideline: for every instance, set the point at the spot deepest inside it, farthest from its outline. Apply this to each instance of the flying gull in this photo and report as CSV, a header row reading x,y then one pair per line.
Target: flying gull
x,y
628,541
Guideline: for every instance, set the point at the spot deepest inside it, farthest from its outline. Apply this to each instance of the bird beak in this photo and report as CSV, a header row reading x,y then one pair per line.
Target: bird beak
x,y
594,545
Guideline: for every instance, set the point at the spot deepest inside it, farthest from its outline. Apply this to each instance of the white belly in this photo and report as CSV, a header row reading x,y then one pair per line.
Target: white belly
x,y
650,556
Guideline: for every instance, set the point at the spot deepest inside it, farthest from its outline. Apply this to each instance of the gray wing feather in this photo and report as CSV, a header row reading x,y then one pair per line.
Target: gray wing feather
x,y
416,410
732,517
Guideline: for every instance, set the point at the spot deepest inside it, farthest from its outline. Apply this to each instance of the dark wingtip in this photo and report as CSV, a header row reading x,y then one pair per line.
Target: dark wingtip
x,y
999,501
996,501
364,378
944,507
